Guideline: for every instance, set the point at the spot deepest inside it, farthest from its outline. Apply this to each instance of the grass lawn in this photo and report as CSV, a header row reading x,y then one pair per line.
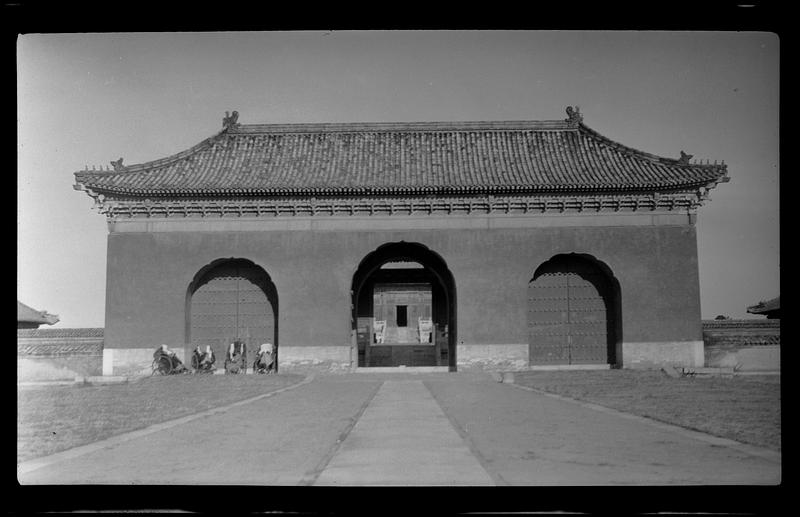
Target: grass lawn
x,y
742,408
55,418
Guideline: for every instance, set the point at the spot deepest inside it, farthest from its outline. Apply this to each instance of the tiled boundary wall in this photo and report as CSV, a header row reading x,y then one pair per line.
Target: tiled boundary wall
x,y
747,345
59,354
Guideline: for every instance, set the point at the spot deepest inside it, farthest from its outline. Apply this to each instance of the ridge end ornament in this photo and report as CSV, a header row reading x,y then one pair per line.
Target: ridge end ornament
x,y
118,167
230,120
574,116
684,159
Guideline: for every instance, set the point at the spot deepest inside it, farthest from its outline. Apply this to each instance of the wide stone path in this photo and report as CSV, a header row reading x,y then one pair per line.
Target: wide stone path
x,y
404,438
281,440
527,438
413,429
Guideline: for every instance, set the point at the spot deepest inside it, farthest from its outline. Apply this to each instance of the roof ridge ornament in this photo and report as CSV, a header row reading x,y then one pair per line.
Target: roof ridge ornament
x,y
230,120
118,167
684,159
574,116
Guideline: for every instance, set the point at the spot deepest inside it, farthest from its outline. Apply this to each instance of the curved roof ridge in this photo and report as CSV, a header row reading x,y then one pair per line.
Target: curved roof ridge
x,y
136,167
357,127
642,154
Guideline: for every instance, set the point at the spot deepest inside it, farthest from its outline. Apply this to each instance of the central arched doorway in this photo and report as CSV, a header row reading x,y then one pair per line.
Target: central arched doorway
x,y
404,301
231,299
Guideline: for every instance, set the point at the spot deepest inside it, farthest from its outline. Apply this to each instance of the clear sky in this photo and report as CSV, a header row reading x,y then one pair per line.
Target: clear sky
x,y
86,99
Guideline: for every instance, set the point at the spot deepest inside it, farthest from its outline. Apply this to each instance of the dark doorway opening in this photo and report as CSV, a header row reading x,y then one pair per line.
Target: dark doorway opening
x,y
402,315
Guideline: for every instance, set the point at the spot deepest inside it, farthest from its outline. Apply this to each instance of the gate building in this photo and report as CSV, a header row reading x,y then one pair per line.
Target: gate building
x,y
490,245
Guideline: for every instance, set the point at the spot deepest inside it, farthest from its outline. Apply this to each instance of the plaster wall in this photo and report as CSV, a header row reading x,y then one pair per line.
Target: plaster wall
x,y
744,358
655,264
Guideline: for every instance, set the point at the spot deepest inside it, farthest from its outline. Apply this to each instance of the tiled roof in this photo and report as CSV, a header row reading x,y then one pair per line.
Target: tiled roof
x,y
29,315
765,306
61,333
402,158
741,333
59,349
740,324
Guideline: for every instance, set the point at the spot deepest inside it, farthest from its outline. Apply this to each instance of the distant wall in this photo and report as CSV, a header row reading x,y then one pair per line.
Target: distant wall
x,y
747,345
59,354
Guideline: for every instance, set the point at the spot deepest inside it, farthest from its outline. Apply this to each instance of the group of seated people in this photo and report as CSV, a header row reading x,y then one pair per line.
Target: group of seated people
x,y
235,360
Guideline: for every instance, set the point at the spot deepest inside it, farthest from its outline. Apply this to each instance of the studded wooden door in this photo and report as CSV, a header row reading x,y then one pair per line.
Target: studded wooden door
x,y
567,314
231,304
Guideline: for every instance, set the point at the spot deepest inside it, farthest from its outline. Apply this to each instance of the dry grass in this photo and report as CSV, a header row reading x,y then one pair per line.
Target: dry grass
x,y
742,408
56,418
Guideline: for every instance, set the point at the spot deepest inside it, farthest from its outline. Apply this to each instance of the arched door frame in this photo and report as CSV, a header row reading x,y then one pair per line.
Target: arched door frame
x,y
614,305
269,288
412,252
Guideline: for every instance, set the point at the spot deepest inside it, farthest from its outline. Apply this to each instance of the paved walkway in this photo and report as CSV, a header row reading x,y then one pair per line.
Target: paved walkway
x,y
531,439
411,429
404,438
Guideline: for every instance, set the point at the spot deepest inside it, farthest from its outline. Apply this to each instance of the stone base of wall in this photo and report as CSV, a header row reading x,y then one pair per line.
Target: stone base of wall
x,y
56,368
491,357
654,355
307,359
132,361
295,359
755,358
496,357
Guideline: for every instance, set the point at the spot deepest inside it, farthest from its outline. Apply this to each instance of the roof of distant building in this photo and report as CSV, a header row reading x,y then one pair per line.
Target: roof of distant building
x,y
764,307
27,314
59,333
373,159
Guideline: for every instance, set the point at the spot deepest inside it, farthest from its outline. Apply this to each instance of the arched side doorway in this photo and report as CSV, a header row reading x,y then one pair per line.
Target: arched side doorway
x,y
573,312
403,284
231,299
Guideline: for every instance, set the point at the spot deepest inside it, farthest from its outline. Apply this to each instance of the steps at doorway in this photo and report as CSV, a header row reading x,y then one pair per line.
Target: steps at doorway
x,y
402,369
401,335
547,367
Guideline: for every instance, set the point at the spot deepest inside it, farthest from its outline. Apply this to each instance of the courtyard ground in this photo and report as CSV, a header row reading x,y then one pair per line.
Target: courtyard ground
x,y
408,429
56,418
745,408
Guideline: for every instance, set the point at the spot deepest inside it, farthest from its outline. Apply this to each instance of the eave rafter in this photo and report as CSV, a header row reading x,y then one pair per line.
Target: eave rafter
x,y
114,208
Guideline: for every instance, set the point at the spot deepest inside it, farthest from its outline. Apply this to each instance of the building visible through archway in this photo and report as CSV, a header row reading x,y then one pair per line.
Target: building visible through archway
x,y
232,300
403,301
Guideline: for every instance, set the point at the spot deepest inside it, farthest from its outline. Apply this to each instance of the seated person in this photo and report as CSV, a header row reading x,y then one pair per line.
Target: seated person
x,y
207,359
265,359
163,350
197,357
236,357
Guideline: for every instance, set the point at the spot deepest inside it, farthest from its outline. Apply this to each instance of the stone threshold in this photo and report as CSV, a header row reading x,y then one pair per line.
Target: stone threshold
x,y
401,369
548,367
